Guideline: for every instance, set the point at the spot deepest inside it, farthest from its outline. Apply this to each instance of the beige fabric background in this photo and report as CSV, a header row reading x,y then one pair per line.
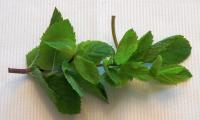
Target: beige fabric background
x,y
22,23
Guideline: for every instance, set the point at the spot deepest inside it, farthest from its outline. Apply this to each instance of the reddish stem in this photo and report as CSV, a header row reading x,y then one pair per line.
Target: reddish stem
x,y
20,71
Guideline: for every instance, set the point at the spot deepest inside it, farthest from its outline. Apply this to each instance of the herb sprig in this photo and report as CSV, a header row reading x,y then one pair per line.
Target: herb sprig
x,y
66,70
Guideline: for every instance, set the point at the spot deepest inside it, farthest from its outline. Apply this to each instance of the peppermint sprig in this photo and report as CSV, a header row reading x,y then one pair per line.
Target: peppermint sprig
x,y
67,70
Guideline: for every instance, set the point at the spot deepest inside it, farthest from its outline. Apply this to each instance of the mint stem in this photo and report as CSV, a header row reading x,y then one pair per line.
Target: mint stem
x,y
113,31
27,70
20,71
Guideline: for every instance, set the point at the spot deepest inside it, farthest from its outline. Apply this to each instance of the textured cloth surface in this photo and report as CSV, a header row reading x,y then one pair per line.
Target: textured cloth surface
x,y
22,23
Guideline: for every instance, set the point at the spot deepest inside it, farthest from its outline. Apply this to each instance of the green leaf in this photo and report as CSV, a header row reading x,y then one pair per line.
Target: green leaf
x,y
156,65
126,48
97,90
57,45
62,95
68,101
49,58
66,68
135,69
61,37
173,74
144,43
32,56
173,50
86,69
56,17
94,50
113,75
37,74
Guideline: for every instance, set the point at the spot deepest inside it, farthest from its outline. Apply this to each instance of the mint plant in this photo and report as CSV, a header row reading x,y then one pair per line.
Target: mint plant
x,y
67,70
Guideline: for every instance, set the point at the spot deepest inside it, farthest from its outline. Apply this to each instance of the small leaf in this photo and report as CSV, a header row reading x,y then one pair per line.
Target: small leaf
x,y
127,47
32,56
112,74
114,77
173,74
173,50
56,17
94,50
135,69
86,69
66,68
144,43
156,65
62,95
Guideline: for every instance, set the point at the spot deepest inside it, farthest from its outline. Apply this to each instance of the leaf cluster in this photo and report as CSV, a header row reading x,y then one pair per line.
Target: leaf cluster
x,y
67,70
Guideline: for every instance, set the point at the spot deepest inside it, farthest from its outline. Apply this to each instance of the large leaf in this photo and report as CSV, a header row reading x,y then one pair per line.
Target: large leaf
x,y
58,44
127,47
173,50
173,74
94,50
67,68
47,54
59,91
61,37
68,101
32,56
144,43
86,69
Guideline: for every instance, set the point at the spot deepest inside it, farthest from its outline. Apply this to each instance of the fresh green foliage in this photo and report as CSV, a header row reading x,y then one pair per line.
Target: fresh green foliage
x,y
144,43
86,69
49,58
173,50
68,101
114,76
59,91
80,85
156,65
173,74
94,51
61,37
127,47
58,44
56,17
67,70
